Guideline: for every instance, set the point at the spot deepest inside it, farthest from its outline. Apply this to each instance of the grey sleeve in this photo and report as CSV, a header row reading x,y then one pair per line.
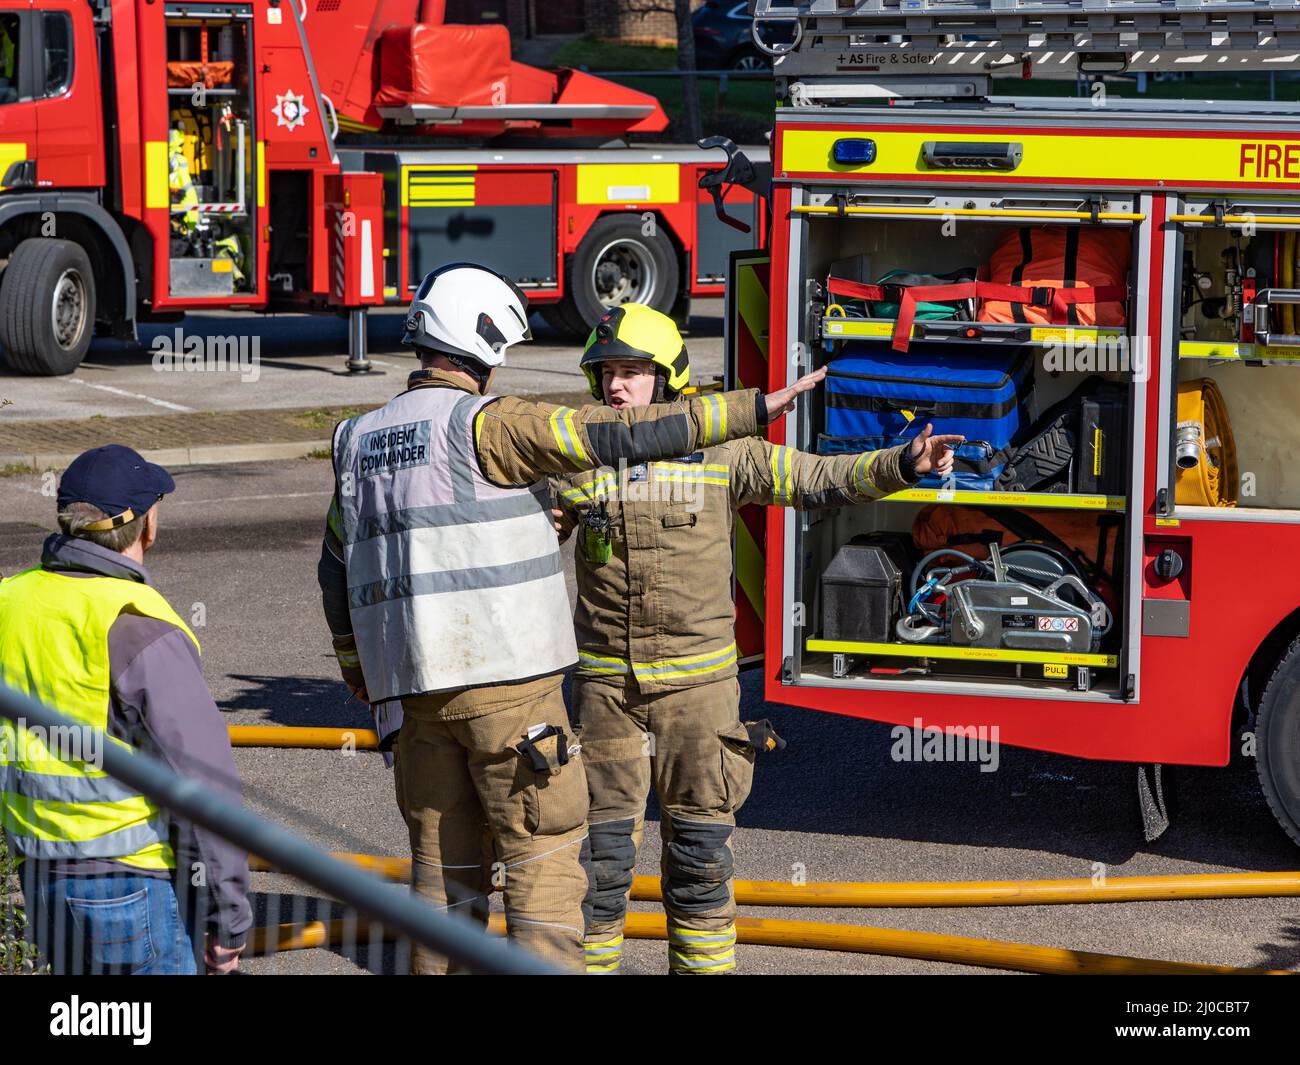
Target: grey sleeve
x,y
332,575
158,682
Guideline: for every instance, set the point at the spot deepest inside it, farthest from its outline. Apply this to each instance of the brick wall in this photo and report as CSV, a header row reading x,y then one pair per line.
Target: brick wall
x,y
612,19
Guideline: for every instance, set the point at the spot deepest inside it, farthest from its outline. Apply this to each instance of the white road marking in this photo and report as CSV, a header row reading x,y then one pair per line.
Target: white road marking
x,y
134,395
249,499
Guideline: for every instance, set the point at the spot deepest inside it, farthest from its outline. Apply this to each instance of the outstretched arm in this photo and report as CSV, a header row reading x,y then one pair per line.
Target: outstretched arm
x,y
520,441
772,474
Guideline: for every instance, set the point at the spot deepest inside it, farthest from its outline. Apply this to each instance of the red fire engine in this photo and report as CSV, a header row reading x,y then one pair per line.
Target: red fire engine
x,y
1100,294
157,158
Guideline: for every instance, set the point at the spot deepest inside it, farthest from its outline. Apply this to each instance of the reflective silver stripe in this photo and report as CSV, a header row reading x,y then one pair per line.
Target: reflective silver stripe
x,y
599,664
113,845
781,475
678,960
861,470
460,580
683,667
726,937
58,787
460,457
715,419
594,489
339,450
568,435
447,514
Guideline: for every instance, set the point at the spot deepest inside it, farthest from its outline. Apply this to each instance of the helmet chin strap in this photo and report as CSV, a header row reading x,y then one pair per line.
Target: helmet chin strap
x,y
474,368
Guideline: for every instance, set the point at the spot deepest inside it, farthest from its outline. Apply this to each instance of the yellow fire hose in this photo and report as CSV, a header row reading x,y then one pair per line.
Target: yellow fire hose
x,y
330,739
818,935
950,893
860,939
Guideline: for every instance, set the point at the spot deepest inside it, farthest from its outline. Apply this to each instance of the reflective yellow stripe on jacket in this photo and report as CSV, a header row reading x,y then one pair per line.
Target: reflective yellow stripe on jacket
x,y
782,492
599,487
665,669
692,473
715,418
569,436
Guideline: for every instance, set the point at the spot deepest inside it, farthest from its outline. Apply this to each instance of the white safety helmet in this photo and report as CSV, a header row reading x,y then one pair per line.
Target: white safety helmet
x,y
467,311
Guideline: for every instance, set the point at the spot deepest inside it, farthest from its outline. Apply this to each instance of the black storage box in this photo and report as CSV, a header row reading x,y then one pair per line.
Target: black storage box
x,y
1100,465
1077,445
862,588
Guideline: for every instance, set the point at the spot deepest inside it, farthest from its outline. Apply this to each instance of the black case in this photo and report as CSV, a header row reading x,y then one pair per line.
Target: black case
x,y
862,588
1078,444
1100,465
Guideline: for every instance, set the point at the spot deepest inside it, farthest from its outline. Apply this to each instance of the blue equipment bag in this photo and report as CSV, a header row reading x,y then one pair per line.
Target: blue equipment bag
x,y
877,397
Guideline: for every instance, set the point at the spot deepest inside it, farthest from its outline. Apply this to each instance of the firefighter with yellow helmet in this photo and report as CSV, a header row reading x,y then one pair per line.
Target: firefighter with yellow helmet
x,y
655,694
443,586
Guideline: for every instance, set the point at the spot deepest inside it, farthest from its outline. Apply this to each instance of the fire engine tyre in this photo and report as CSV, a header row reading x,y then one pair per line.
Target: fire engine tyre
x,y
564,319
618,263
47,307
1277,747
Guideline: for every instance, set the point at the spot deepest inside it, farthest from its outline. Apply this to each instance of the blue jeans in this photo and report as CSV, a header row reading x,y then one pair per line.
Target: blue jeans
x,y
116,924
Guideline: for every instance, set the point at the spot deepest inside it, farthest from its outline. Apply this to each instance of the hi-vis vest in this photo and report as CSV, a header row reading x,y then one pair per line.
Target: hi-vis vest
x,y
54,646
453,582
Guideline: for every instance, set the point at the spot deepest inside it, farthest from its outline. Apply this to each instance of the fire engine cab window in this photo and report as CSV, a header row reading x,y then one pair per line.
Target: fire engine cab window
x,y
8,59
58,53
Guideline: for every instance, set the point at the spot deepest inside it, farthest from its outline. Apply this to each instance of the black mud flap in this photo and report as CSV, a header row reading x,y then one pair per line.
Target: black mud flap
x,y
1151,802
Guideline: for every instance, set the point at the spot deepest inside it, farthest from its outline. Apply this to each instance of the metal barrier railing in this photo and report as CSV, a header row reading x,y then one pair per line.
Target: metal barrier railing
x,y
68,914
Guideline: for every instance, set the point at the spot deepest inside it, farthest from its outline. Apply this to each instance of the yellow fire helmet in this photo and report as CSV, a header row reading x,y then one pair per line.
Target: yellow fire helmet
x,y
635,331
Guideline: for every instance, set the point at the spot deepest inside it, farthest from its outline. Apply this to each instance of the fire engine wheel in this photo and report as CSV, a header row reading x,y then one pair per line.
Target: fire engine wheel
x,y
1277,747
47,307
619,262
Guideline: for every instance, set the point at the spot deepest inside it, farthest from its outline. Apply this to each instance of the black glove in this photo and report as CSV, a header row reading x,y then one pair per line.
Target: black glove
x,y
763,737
907,464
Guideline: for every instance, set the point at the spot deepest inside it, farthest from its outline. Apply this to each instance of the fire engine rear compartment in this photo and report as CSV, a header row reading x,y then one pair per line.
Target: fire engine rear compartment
x,y
1247,346
1020,653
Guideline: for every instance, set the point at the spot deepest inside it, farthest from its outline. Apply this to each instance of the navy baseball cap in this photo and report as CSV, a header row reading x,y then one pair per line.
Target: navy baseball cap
x,y
115,479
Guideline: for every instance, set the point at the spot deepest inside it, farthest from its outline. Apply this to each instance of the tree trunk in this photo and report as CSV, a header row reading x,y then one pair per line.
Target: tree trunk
x,y
686,61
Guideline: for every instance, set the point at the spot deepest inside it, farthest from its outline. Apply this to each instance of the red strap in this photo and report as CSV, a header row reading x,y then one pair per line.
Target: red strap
x,y
837,286
1063,297
985,290
907,306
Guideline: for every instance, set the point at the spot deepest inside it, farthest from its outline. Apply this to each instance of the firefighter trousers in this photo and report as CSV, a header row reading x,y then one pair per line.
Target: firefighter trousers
x,y
691,745
482,816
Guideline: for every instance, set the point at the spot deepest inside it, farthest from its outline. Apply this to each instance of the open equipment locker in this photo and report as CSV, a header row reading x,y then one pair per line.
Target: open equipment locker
x,y
885,130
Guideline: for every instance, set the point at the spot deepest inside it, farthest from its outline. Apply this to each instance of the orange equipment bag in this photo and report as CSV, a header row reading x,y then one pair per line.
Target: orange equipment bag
x,y
210,75
1078,276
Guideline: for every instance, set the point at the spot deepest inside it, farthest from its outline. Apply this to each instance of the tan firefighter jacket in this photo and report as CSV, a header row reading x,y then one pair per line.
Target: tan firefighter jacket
x,y
659,608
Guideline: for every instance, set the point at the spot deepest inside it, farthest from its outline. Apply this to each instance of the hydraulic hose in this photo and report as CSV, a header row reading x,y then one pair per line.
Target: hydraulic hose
x,y
820,935
920,894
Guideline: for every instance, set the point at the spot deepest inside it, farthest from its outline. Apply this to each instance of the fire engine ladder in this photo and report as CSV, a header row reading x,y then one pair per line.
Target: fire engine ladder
x,y
838,51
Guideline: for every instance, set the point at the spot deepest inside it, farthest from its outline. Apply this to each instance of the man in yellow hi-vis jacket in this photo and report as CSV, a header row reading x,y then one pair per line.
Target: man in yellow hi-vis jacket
x,y
655,696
